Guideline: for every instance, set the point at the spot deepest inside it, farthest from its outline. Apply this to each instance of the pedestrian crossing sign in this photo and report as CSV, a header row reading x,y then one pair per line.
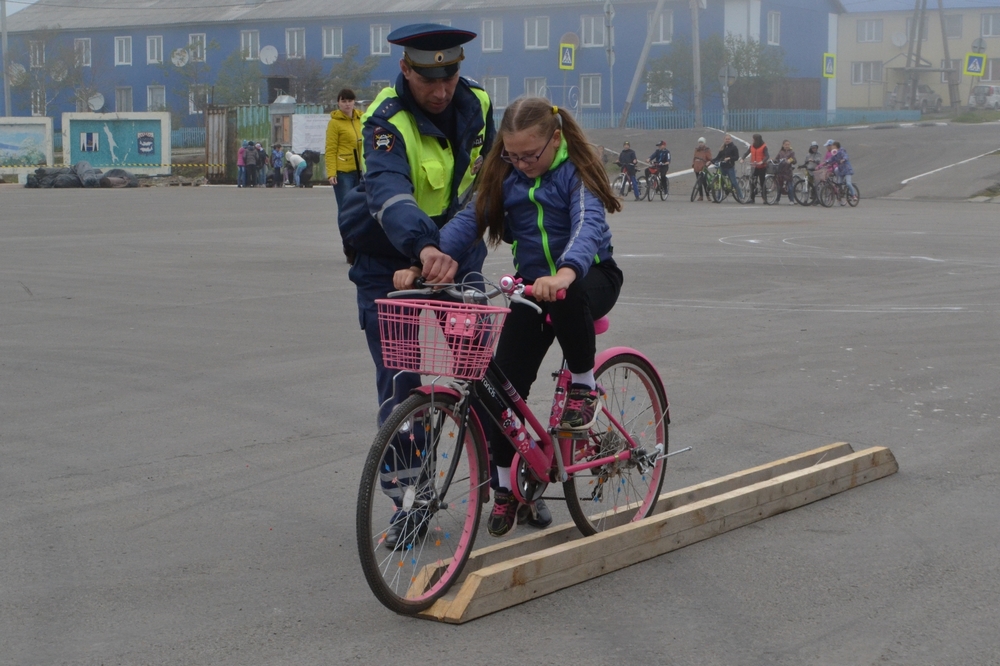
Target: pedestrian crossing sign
x,y
567,56
829,65
975,63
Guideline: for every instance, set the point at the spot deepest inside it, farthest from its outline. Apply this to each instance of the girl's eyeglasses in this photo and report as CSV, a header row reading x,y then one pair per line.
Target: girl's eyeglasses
x,y
528,160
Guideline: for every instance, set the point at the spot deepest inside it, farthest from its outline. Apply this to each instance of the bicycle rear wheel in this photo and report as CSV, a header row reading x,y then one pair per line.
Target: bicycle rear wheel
x,y
641,182
744,195
853,195
634,403
419,502
826,194
801,191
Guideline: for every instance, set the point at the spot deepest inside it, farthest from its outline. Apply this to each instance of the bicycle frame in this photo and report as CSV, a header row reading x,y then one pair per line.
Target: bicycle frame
x,y
539,450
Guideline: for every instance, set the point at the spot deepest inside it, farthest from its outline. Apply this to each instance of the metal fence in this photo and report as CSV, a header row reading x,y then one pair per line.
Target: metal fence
x,y
253,122
187,137
748,120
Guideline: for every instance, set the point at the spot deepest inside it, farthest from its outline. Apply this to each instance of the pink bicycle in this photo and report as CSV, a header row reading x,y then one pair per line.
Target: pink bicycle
x,y
427,474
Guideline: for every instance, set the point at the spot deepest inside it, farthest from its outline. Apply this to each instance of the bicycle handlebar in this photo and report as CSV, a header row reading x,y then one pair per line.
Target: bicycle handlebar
x,y
510,287
560,295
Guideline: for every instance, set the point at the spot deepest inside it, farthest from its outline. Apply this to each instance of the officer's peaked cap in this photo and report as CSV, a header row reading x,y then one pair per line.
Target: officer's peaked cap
x,y
431,49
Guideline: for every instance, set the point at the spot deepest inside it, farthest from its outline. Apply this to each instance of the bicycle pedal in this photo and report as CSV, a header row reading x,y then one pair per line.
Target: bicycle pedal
x,y
571,434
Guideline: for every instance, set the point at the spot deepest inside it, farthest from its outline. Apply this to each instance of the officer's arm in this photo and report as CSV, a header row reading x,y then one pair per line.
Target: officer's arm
x,y
390,191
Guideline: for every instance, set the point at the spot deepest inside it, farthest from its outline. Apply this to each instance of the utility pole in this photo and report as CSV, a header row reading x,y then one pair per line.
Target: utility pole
x,y
640,66
953,93
917,46
696,60
3,45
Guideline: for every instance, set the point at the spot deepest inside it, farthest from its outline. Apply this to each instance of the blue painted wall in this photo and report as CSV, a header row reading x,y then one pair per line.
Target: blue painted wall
x,y
803,38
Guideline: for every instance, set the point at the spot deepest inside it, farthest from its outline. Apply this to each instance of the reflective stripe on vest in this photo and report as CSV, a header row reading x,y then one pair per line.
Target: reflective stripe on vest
x,y
431,165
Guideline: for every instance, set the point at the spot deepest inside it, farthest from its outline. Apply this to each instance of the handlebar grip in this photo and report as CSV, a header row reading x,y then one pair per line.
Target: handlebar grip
x,y
560,295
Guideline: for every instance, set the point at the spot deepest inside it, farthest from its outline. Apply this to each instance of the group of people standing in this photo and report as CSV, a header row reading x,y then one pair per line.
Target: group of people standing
x,y
835,161
257,168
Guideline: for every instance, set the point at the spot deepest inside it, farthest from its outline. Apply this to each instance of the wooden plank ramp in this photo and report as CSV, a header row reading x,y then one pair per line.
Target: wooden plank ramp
x,y
515,571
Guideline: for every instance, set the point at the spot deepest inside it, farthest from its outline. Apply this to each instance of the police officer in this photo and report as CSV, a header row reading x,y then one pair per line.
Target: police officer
x,y
424,140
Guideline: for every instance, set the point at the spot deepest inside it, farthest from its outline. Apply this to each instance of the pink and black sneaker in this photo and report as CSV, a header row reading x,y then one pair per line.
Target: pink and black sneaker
x,y
580,412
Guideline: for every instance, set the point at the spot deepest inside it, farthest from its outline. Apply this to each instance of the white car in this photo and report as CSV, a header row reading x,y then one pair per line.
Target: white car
x,y
985,97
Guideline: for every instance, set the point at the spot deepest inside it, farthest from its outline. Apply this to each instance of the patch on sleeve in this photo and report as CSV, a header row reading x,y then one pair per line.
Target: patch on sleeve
x,y
383,139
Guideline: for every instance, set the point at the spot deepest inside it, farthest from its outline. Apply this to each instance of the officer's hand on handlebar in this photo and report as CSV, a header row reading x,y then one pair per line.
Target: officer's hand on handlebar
x,y
404,279
438,266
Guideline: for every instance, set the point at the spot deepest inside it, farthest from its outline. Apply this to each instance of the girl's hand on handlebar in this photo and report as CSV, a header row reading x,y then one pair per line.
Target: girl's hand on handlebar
x,y
438,267
547,288
403,279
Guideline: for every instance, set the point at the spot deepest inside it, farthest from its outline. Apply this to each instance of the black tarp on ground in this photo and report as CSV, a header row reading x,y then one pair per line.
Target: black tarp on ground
x,y
81,174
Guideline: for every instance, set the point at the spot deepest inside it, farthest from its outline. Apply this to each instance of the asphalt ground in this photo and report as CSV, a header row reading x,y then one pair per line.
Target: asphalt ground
x,y
187,403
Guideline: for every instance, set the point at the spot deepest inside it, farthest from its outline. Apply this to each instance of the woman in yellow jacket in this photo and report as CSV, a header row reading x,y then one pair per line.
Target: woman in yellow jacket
x,y
343,145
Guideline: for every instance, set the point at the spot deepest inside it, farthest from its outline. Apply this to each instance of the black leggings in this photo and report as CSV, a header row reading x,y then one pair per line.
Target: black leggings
x,y
526,337
757,180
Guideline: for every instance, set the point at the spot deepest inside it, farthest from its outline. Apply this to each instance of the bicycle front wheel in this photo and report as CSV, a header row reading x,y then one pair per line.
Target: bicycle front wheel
x,y
770,190
634,404
853,195
650,190
801,191
745,187
826,194
694,191
419,502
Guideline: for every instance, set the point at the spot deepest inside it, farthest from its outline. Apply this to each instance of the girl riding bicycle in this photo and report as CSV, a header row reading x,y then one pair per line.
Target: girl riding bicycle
x,y
542,190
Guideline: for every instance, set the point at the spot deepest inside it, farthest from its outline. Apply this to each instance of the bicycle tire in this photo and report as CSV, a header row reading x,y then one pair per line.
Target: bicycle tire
x,y
408,577
649,191
719,192
620,185
664,189
607,496
770,193
694,192
853,196
744,182
801,191
641,182
826,195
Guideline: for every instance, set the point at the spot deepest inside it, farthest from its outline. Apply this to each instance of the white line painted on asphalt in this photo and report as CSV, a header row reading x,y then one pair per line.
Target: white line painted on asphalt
x,y
971,159
802,307
858,127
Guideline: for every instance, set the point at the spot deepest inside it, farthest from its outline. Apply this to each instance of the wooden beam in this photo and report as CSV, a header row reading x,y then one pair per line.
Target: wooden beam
x,y
690,515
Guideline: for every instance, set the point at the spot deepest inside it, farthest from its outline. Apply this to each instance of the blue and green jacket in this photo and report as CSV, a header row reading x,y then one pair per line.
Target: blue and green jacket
x,y
551,221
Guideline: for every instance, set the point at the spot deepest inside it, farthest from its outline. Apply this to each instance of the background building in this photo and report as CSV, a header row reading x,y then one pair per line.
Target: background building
x,y
177,54
875,37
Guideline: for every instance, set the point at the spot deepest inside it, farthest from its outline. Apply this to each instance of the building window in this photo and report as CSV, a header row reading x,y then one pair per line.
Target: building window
x,y
953,26
991,25
154,50
295,43
156,98
123,99
377,33
250,44
37,102
870,30
774,28
197,99
590,90
498,88
592,31
196,45
955,64
491,35
866,72
535,87
922,28
992,70
123,51
660,98
333,42
36,54
663,30
81,47
536,32
379,84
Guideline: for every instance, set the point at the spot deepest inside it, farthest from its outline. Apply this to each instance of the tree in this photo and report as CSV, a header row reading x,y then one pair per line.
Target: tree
x,y
674,71
760,67
239,80
191,80
51,71
305,79
350,74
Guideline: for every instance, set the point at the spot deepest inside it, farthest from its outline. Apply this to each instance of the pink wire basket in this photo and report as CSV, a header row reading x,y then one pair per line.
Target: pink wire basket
x,y
438,337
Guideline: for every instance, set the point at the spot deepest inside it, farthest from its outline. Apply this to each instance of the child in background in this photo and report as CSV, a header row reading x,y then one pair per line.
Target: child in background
x,y
543,190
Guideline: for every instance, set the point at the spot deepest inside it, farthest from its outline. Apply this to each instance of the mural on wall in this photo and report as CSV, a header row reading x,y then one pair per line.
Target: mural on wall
x,y
125,143
22,146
